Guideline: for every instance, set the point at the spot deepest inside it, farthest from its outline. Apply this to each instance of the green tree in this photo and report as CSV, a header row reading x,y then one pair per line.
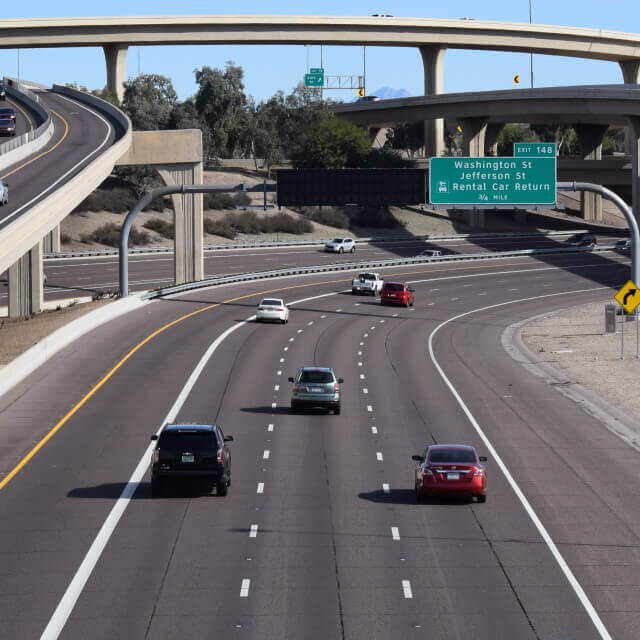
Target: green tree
x,y
149,100
406,136
333,144
513,133
222,105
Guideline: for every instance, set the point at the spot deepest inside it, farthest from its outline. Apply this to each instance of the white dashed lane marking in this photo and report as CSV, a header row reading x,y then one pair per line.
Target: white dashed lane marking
x,y
273,405
299,330
260,488
454,299
406,589
395,315
379,457
361,344
369,408
385,487
270,427
395,533
338,310
279,372
359,364
266,454
365,390
310,323
374,430
362,376
253,533
484,293
286,349
359,353
244,588
366,335
323,316
281,359
276,387
292,339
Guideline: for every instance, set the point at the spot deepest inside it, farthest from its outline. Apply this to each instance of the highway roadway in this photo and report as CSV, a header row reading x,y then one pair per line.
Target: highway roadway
x,y
84,276
320,536
80,134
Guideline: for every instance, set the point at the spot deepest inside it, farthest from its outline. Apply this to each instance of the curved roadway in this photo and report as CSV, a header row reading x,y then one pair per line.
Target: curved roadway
x,y
80,134
320,536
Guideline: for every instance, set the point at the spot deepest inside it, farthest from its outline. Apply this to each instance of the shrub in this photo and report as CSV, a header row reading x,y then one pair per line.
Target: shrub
x,y
65,238
163,227
330,217
109,234
284,223
221,200
219,228
117,200
247,222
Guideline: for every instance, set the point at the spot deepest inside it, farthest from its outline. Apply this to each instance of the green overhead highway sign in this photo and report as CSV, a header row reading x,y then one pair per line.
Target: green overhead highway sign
x,y
492,181
537,149
315,78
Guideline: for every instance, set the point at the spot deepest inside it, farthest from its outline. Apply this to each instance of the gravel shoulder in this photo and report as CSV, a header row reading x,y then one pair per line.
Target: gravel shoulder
x,y
571,350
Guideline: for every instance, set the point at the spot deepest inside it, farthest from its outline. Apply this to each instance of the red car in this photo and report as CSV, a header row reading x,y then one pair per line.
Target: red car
x,y
450,469
397,293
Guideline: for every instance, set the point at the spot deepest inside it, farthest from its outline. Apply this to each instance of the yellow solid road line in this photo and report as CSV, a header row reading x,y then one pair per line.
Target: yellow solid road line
x,y
44,153
23,112
108,375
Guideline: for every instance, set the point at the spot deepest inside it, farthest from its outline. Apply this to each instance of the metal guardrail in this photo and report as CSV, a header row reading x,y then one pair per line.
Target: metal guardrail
x,y
301,243
365,264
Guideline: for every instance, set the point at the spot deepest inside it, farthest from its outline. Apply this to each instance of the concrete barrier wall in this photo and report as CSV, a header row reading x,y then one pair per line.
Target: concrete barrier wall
x,y
20,147
26,231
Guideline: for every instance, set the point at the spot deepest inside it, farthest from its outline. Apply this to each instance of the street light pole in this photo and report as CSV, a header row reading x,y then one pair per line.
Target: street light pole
x,y
531,53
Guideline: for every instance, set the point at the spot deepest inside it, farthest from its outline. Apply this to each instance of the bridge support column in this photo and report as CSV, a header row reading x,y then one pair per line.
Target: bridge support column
x,y
116,59
635,165
474,131
630,75
433,62
494,129
188,219
25,284
51,242
591,147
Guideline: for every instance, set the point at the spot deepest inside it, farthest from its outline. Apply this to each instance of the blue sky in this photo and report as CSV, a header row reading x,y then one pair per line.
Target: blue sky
x,y
269,68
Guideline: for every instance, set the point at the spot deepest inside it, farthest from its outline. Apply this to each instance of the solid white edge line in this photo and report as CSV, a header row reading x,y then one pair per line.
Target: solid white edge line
x,y
79,580
577,587
84,159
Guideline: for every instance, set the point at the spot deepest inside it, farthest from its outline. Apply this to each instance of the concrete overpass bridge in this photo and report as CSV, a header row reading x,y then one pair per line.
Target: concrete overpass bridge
x,y
590,109
431,36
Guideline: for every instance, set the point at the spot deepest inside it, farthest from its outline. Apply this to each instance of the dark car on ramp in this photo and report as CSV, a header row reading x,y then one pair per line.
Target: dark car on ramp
x,y
7,127
191,452
450,470
7,113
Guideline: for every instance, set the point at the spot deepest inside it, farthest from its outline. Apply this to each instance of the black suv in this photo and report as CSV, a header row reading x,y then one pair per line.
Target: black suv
x,y
191,452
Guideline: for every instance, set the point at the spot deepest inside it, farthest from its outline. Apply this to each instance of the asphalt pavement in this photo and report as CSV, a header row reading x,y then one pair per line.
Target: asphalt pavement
x,y
84,276
320,535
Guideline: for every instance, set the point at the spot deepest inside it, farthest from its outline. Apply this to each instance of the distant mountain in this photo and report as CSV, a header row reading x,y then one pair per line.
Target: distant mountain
x,y
389,92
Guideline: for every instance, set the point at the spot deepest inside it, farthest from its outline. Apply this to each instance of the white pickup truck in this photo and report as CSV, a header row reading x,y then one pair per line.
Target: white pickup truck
x,y
367,283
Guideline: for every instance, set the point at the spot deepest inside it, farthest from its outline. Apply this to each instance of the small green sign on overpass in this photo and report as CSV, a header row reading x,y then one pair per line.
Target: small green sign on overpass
x,y
492,181
537,149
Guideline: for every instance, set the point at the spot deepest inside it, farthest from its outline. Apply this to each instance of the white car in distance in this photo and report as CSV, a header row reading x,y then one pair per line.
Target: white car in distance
x,y
4,193
272,310
340,245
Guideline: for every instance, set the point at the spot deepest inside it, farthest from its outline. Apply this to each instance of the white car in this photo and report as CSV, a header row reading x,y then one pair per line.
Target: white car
x,y
4,193
272,310
340,245
430,253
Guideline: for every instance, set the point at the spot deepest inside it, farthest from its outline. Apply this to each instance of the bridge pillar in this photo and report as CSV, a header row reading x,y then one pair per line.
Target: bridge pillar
x,y
433,62
494,129
188,221
635,165
116,58
590,136
51,242
474,131
25,284
630,75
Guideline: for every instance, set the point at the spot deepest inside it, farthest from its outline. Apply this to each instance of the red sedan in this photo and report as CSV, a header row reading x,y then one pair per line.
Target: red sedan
x,y
450,469
397,293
